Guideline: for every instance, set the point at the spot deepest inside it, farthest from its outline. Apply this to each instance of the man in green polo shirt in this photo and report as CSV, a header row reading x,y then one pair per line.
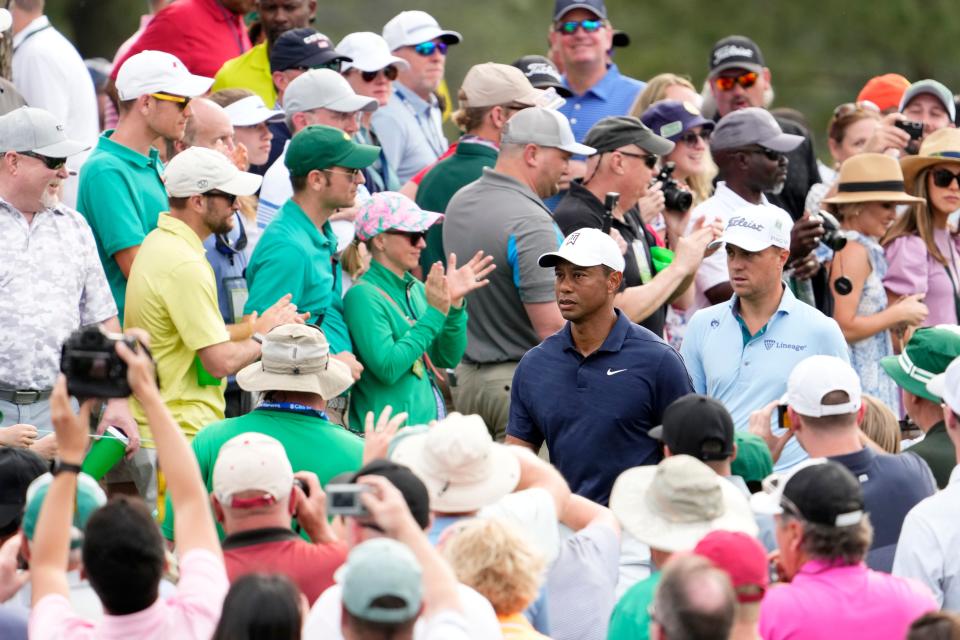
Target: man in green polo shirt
x,y
298,250
121,194
928,353
490,94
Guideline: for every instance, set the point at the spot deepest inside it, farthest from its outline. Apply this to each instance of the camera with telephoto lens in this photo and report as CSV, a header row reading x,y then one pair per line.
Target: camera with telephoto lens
x,y
94,370
674,198
833,236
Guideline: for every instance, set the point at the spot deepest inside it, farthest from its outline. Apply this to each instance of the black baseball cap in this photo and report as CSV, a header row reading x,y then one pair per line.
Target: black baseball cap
x,y
621,38
736,52
303,47
819,491
18,468
542,74
697,426
614,132
413,490
563,7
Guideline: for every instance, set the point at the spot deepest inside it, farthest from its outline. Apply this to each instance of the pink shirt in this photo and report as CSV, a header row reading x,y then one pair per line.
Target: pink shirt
x,y
846,602
910,269
190,614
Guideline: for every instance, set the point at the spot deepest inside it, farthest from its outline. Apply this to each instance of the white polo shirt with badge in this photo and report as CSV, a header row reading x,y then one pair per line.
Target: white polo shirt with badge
x,y
746,373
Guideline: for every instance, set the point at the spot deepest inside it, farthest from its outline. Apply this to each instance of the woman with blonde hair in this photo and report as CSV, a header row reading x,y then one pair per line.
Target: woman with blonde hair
x,y
491,557
868,192
880,424
922,251
665,86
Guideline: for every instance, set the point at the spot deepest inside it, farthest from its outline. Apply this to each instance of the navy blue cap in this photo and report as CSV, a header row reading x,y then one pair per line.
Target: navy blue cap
x,y
303,47
562,7
669,118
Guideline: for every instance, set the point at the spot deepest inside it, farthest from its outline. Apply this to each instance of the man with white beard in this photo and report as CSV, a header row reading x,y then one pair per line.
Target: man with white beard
x,y
50,275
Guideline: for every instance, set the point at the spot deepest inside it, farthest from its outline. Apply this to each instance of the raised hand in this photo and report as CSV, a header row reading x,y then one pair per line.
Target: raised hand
x,y
377,437
280,312
73,431
469,277
437,289
141,369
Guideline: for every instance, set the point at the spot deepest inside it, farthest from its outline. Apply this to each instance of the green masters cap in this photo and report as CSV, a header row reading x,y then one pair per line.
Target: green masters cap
x,y
320,147
90,497
753,462
377,568
929,353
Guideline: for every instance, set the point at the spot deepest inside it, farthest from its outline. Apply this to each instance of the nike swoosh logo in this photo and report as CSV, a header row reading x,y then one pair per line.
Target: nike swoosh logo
x,y
611,372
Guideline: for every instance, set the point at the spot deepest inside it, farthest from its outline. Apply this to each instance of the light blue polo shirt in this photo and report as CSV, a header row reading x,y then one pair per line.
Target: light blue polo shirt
x,y
747,373
612,96
410,131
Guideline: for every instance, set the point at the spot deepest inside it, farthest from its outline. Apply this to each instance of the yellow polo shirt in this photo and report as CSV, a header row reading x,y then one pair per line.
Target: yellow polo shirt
x,y
250,70
172,295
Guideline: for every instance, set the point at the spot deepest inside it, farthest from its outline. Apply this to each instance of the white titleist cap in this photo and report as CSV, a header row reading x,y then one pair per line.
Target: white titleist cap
x,y
198,170
586,248
757,227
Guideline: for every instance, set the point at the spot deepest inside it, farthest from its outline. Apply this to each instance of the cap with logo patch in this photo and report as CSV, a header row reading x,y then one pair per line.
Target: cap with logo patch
x,y
197,170
37,131
697,426
749,126
322,147
303,48
542,74
757,227
815,377
736,52
670,118
586,248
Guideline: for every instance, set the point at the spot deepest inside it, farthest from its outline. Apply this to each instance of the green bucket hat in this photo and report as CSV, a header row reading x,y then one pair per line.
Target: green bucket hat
x,y
929,353
90,497
321,147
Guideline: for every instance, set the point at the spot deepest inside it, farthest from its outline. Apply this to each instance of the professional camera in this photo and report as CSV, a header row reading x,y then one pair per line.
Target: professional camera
x,y
833,236
674,198
94,370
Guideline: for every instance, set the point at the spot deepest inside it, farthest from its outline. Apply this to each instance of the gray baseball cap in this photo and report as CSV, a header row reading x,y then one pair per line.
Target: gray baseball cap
x,y
752,125
933,88
377,568
614,132
324,89
545,127
37,131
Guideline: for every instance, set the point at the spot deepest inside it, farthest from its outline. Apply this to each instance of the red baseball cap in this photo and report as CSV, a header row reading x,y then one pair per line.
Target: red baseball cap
x,y
884,91
741,557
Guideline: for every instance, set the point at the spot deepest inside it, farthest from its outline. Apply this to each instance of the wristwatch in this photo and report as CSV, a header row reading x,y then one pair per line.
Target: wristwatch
x,y
257,337
58,466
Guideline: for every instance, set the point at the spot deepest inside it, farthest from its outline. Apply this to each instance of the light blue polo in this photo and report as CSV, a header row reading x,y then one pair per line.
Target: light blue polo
x,y
746,374
410,131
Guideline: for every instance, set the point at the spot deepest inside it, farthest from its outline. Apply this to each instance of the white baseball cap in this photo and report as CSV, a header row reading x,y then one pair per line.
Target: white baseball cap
x,y
815,377
544,127
251,462
6,19
198,170
586,248
324,89
156,71
409,28
251,111
946,386
369,51
756,227
37,131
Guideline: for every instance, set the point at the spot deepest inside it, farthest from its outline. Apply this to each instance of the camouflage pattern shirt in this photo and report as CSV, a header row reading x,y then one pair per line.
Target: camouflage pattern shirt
x,y
51,283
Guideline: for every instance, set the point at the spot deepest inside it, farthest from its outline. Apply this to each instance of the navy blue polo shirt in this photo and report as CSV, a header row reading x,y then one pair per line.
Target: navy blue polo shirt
x,y
594,412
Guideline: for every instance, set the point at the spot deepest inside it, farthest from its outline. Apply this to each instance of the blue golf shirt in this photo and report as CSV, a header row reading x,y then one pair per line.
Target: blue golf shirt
x,y
746,372
595,412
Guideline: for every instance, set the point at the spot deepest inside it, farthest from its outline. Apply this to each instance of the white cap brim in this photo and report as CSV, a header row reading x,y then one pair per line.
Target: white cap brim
x,y
251,111
62,149
577,149
375,63
242,184
349,104
746,241
426,35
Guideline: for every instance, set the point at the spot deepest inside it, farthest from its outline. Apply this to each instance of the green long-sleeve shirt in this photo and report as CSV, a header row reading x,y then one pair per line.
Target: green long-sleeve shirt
x,y
390,338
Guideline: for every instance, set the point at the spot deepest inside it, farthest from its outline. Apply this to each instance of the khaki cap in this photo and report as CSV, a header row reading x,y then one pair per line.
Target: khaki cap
x,y
491,84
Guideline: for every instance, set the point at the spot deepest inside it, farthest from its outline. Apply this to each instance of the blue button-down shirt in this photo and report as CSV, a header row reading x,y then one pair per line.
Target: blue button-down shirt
x,y
747,374
594,412
612,96
410,131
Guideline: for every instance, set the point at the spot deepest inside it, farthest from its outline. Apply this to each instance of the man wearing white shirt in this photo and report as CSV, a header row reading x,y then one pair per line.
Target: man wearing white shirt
x,y
930,537
51,75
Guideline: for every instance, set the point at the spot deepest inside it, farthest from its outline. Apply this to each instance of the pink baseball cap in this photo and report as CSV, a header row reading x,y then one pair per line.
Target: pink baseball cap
x,y
389,210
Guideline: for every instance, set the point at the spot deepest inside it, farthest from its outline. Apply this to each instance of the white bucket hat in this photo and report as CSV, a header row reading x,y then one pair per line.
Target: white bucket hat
x,y
296,357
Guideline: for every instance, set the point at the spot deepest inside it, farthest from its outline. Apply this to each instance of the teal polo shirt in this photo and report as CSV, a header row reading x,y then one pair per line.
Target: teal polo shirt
x,y
747,372
121,195
294,256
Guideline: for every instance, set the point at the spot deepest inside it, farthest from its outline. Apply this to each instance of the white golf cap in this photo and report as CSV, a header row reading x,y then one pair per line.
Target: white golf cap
x,y
37,131
586,248
198,170
158,71
815,377
250,111
251,462
409,28
946,386
756,227
324,89
544,127
369,51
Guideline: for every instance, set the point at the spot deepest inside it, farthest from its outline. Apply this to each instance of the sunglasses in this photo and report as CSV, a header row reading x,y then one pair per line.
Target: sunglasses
x,y
745,80
649,160
414,237
352,173
943,177
690,137
229,197
773,156
427,48
180,101
849,108
54,164
570,27
390,73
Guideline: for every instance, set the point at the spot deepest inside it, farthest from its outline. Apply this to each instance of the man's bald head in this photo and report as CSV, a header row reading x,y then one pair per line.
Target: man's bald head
x,y
208,126
694,601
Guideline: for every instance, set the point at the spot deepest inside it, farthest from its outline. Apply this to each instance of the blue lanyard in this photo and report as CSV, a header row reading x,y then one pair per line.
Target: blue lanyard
x,y
429,132
293,407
